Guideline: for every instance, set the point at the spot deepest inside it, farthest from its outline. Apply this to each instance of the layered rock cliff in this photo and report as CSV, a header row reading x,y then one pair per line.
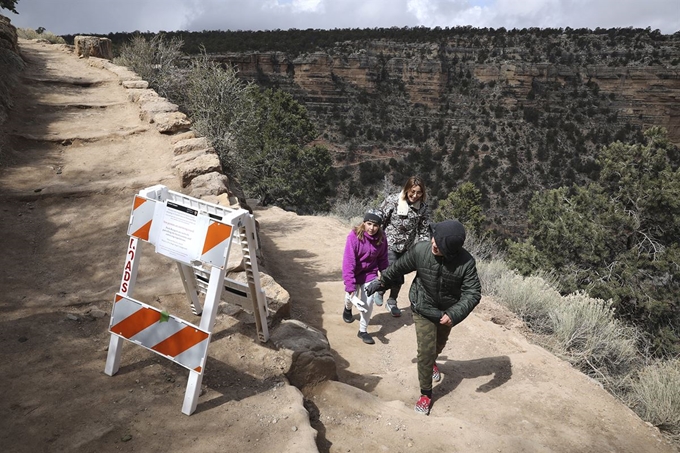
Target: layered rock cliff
x,y
646,93
514,112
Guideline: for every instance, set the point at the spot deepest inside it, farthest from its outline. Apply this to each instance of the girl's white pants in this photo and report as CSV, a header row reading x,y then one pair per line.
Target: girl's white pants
x,y
365,316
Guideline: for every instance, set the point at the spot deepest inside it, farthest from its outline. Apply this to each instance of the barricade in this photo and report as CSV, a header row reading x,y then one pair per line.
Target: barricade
x,y
197,235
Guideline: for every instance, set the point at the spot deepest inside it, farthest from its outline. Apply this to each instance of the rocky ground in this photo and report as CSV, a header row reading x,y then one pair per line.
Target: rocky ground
x,y
76,151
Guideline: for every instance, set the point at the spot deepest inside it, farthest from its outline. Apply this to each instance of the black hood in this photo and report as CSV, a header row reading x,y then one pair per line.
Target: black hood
x,y
449,236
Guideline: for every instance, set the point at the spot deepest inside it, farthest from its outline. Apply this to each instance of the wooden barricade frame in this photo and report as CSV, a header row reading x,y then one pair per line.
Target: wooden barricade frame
x,y
198,236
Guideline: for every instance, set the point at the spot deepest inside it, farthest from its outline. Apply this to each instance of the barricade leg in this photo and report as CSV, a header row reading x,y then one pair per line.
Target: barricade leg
x,y
192,393
188,280
113,358
212,297
127,284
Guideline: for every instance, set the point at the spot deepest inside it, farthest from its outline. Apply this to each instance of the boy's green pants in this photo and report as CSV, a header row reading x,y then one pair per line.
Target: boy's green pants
x,y
431,339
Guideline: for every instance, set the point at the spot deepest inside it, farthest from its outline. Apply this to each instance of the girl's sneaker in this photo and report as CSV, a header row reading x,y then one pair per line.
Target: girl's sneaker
x,y
423,405
378,299
366,337
347,315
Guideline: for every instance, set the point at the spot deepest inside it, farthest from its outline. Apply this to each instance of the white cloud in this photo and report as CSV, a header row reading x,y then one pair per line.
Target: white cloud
x,y
104,16
308,6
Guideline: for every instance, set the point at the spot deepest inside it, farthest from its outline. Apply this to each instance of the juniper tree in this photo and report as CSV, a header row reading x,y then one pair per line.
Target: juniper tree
x,y
617,238
9,5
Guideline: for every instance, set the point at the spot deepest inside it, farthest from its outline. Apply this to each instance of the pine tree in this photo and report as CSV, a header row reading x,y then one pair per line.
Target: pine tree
x,y
616,238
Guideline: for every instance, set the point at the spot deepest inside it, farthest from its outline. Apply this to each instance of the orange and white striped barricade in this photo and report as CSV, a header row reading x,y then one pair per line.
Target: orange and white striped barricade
x,y
197,235
171,337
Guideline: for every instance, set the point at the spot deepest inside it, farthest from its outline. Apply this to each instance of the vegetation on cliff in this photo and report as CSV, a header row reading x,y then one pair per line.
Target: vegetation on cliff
x,y
9,4
616,238
263,137
552,142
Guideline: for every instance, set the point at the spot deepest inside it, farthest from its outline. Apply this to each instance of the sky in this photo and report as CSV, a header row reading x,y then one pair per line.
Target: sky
x,y
63,17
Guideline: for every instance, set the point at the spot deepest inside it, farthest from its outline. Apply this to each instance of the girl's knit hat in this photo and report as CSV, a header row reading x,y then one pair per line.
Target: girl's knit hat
x,y
373,215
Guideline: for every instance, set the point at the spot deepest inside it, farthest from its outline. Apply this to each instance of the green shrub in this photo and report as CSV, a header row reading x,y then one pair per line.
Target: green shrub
x,y
218,103
531,298
587,334
656,395
155,61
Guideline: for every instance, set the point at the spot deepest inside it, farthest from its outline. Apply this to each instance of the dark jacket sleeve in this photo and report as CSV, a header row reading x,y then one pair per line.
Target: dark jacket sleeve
x,y
471,294
406,264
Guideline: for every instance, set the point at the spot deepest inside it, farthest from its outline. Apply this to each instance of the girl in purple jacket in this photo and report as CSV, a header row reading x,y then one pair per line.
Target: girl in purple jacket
x,y
365,255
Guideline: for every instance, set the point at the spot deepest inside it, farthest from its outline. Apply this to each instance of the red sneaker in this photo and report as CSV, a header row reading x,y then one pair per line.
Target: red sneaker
x,y
423,405
436,375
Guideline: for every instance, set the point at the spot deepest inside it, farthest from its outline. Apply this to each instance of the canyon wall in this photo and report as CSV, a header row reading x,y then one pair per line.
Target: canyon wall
x,y
643,95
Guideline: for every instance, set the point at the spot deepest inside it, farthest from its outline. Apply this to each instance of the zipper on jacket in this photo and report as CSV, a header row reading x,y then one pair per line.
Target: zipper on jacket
x,y
439,260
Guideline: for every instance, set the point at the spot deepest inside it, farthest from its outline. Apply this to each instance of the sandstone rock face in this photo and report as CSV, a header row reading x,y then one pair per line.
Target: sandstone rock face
x,y
93,46
209,184
182,136
142,95
190,144
189,156
140,84
151,107
171,122
123,73
538,105
278,299
312,361
11,65
8,35
205,163
643,95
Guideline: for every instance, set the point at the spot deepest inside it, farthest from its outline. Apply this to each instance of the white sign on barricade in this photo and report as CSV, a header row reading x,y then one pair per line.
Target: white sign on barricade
x,y
197,235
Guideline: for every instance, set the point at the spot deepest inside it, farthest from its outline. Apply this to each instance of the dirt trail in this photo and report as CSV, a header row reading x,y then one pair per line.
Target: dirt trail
x,y
77,152
498,392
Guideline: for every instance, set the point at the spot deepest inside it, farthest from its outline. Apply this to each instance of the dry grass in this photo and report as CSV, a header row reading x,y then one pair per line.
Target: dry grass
x,y
656,395
531,298
351,210
28,33
154,60
584,331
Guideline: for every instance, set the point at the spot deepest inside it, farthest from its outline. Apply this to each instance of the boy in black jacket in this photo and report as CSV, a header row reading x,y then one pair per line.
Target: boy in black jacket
x,y
445,290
